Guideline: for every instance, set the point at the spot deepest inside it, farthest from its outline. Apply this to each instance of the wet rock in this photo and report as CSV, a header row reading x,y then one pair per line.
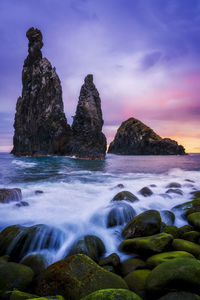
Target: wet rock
x,y
121,213
36,262
173,230
113,260
176,274
160,258
173,185
146,223
112,294
189,180
14,276
40,124
22,204
88,140
180,296
194,220
89,245
130,265
146,192
136,281
167,217
184,229
120,186
39,192
9,195
17,240
147,245
174,191
4,259
191,236
75,277
183,245
196,194
135,138
18,295
125,195
153,185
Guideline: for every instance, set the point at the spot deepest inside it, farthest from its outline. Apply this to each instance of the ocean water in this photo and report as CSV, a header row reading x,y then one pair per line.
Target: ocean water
x,y
77,193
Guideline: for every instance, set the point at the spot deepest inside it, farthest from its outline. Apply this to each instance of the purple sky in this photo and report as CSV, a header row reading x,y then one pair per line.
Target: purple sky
x,y
144,56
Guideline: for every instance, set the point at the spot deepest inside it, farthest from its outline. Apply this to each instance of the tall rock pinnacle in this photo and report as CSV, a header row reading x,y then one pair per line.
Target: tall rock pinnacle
x,y
88,139
40,124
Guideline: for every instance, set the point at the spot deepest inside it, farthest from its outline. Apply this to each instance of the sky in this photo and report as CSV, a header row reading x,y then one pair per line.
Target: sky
x,y
144,55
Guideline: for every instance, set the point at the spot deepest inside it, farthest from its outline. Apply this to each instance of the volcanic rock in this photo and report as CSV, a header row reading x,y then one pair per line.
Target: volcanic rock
x,y
40,124
88,140
135,138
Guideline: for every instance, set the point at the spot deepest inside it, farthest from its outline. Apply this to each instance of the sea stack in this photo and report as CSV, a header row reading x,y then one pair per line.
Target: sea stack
x,y
135,138
40,124
88,140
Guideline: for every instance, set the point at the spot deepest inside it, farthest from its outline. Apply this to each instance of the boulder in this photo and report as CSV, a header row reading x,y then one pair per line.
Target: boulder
x,y
112,294
10,195
183,245
130,265
75,277
173,185
194,220
184,229
4,259
167,217
146,192
196,194
180,296
112,260
40,124
89,245
174,191
191,236
145,224
135,138
125,195
22,204
176,274
121,213
157,259
14,276
88,140
173,230
136,281
147,245
36,262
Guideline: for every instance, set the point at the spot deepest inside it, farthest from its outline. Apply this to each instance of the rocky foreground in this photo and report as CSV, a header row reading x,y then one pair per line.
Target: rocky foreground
x,y
135,138
164,260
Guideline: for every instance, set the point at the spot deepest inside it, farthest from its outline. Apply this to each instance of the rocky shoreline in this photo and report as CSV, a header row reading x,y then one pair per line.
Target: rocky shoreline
x,y
163,259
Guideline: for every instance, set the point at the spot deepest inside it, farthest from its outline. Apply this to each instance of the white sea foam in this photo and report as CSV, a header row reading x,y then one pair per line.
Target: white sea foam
x,y
23,164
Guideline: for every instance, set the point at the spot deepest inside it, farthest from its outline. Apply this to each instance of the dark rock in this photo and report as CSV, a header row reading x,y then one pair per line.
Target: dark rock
x,y
173,230
121,213
153,185
75,277
189,180
180,296
173,185
112,294
40,124
39,192
4,259
18,295
135,138
9,195
147,223
113,260
36,262
194,220
89,245
183,245
167,217
146,192
125,195
191,236
136,281
22,203
196,194
174,191
184,229
88,140
130,265
120,186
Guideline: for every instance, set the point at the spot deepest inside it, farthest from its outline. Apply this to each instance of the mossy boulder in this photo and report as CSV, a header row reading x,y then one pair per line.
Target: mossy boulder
x,y
4,259
130,265
75,277
36,262
15,276
120,213
112,260
125,195
145,224
192,236
112,294
146,191
184,229
179,273
89,245
18,295
57,297
194,220
147,245
173,230
167,217
188,208
157,259
196,194
136,281
180,296
183,245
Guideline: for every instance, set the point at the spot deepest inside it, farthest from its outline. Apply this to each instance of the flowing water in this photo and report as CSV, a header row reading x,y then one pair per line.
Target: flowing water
x,y
77,193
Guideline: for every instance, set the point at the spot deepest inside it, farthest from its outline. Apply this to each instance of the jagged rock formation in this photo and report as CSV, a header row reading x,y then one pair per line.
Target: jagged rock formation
x,y
135,138
40,124
88,140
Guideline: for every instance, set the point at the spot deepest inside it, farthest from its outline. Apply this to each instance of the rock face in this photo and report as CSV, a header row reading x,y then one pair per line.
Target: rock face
x,y
40,124
88,139
135,138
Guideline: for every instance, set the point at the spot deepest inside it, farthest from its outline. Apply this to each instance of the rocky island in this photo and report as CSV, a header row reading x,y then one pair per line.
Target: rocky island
x,y
135,138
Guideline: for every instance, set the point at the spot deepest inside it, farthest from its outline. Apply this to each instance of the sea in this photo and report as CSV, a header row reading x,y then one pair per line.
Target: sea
x,y
77,194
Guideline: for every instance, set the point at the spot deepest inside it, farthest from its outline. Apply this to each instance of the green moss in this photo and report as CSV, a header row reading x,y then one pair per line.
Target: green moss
x,y
191,236
49,297
194,220
136,281
18,295
125,195
173,230
112,294
130,265
183,245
